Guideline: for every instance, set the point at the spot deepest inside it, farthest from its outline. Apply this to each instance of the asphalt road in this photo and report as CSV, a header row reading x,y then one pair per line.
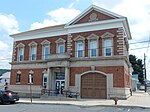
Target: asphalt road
x,y
66,108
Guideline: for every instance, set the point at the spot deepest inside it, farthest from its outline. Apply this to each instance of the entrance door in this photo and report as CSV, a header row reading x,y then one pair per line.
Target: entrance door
x,y
93,85
60,84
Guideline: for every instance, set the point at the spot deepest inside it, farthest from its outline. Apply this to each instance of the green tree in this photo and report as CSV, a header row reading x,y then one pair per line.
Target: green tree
x,y
137,67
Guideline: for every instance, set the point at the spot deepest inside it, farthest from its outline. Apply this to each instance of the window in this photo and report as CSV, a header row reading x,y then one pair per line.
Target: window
x,y
60,45
45,80
30,79
93,48
18,78
21,54
33,53
60,48
80,49
46,51
108,47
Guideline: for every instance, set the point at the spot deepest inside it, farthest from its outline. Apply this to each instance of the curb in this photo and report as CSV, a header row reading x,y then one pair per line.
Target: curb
x,y
118,106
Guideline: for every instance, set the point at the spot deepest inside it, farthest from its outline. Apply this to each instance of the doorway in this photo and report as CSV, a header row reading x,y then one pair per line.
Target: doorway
x,y
60,84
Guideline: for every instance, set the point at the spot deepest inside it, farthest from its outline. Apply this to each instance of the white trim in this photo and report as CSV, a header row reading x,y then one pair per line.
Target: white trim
x,y
93,72
104,47
18,57
91,38
58,42
92,26
45,42
43,51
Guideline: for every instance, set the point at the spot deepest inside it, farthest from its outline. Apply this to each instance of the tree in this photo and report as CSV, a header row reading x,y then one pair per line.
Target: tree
x,y
137,67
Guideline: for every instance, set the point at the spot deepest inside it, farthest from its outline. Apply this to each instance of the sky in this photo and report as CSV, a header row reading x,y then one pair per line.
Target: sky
x,y
23,15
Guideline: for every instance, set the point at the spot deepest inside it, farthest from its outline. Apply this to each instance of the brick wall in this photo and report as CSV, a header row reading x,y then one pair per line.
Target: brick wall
x,y
37,76
117,71
100,17
53,44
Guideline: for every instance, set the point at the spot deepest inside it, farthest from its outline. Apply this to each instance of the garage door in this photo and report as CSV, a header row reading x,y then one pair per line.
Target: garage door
x,y
93,85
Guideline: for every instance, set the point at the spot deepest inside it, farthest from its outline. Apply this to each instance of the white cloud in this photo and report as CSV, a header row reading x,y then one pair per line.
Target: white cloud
x,y
8,23
3,46
138,14
58,16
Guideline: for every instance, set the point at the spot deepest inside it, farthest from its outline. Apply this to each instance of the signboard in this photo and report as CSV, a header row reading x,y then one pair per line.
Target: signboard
x,y
60,76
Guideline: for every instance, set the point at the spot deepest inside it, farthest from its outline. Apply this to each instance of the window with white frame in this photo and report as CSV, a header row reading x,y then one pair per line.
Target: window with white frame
x,y
30,79
108,47
80,49
45,80
60,48
18,78
93,48
33,53
21,53
45,51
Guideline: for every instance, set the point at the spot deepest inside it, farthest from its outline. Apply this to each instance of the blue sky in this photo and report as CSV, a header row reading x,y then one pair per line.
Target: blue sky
x,y
22,15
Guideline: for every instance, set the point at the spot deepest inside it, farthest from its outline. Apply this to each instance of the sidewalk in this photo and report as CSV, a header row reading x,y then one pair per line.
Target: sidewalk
x,y
139,99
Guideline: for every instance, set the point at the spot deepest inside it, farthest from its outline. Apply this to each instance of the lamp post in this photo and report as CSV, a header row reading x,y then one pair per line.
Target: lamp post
x,y
30,81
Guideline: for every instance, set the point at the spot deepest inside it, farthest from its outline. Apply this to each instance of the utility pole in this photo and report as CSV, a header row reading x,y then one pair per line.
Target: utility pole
x,y
145,73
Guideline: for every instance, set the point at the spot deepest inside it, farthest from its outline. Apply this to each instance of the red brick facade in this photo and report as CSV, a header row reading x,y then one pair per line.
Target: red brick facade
x,y
114,67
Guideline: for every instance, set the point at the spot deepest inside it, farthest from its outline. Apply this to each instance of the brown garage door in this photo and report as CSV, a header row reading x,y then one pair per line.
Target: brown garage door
x,y
93,85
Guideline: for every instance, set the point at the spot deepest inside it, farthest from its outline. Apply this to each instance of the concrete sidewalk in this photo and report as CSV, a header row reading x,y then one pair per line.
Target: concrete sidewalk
x,y
139,99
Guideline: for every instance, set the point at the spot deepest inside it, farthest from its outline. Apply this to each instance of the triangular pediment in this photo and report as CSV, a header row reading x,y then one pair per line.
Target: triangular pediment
x,y
107,35
93,14
60,40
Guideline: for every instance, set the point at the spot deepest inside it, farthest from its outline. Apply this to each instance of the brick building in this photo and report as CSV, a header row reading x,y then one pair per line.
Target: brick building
x,y
89,55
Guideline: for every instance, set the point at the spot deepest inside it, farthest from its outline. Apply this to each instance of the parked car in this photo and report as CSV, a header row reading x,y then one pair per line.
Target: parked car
x,y
7,96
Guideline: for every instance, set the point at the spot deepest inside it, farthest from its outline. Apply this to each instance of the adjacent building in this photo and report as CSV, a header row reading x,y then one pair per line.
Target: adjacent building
x,y
89,55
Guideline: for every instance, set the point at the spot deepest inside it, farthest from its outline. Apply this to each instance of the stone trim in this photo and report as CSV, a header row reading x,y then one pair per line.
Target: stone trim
x,y
32,43
45,42
79,38
20,45
120,41
60,40
107,35
69,44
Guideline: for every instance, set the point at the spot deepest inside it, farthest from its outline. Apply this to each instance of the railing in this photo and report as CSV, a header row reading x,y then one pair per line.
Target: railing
x,y
66,93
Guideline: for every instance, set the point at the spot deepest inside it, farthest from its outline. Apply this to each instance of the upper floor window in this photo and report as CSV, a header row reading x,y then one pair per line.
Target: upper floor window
x,y
45,52
20,52
33,51
60,44
93,48
46,49
79,43
60,48
108,47
80,49
93,45
107,43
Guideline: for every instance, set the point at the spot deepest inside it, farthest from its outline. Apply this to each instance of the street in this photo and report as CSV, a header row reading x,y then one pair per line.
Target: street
x,y
66,108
